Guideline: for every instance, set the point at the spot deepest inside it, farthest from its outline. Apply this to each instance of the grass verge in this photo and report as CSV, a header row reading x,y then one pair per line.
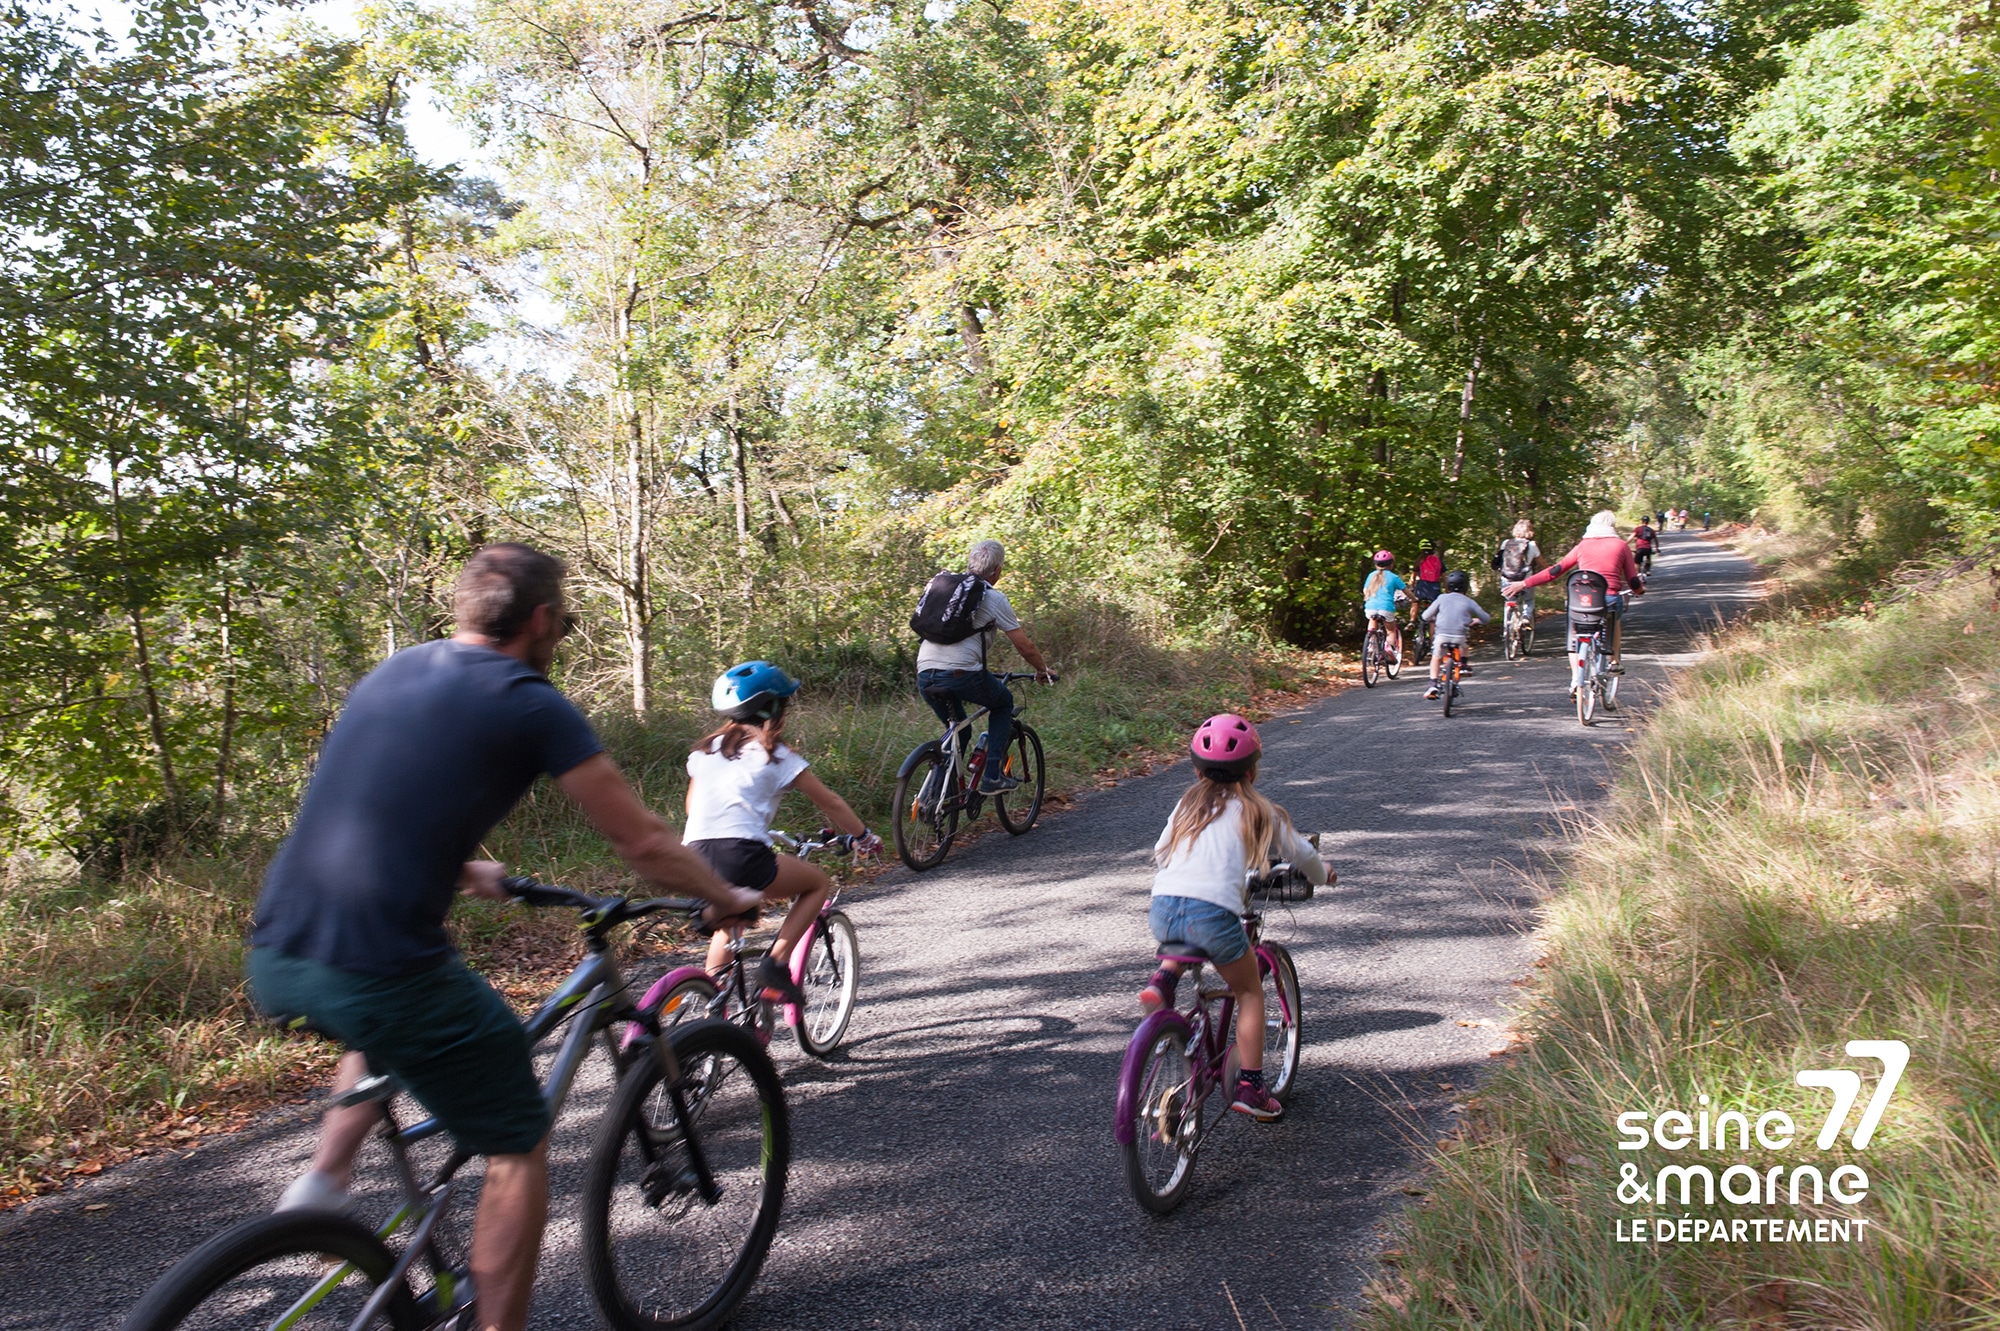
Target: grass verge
x,y
124,1028
1803,849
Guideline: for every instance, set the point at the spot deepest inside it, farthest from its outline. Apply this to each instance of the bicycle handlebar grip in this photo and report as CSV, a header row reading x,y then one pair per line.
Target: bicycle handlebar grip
x,y
523,888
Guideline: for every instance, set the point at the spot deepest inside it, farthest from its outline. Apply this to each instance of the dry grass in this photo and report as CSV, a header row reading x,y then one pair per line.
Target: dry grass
x,y
1803,850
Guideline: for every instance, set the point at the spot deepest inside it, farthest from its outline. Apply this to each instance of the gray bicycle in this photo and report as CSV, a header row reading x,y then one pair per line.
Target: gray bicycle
x,y
938,785
681,1196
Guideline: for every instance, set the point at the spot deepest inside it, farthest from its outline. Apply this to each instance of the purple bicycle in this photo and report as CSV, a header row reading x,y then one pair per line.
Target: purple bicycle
x,y
826,965
1180,1057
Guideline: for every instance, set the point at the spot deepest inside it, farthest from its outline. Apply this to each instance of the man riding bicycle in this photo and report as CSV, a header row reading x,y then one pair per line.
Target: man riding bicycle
x,y
953,673
1517,558
431,750
1604,552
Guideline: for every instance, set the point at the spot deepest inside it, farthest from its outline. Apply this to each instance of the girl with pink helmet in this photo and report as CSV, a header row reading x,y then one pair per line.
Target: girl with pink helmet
x,y
1222,828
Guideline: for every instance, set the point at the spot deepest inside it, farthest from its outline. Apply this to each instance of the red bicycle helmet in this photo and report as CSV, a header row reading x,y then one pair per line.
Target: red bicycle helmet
x,y
1225,745
1383,558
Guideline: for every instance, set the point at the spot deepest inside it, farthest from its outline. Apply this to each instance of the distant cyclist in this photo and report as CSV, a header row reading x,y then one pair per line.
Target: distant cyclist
x,y
1430,575
1517,557
736,778
956,619
1644,541
1382,596
1454,614
431,750
1604,552
1222,828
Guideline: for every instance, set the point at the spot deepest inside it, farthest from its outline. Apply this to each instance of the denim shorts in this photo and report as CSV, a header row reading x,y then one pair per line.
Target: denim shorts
x,y
1203,925
444,1033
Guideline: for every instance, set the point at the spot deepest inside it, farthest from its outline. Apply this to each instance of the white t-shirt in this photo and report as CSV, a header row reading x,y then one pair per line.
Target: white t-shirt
x,y
969,653
737,798
1211,866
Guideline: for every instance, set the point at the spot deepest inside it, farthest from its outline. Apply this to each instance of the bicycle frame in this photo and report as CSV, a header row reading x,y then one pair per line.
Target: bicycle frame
x,y
1209,1036
590,1000
800,959
957,742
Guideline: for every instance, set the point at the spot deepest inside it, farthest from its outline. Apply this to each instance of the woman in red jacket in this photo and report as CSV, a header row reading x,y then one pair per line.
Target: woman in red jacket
x,y
1603,551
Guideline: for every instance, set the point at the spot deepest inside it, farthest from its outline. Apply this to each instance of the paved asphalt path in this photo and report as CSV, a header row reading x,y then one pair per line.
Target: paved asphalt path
x,y
954,1166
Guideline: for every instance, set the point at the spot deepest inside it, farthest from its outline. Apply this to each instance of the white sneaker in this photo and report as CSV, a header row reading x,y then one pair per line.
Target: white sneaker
x,y
313,1191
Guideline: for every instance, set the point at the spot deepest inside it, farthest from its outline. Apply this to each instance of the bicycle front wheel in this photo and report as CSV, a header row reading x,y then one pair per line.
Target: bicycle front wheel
x,y
926,816
1019,807
832,975
1284,1019
297,1269
1159,1159
660,1254
1392,662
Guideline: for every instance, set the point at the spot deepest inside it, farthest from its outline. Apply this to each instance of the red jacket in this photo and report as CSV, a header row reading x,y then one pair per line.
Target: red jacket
x,y
1606,555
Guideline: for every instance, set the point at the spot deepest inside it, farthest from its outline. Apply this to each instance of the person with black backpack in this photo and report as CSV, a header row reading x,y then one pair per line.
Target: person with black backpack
x,y
956,618
1517,557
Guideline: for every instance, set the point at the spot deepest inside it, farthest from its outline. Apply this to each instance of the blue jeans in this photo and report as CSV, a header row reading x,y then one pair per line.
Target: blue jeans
x,y
1208,927
981,688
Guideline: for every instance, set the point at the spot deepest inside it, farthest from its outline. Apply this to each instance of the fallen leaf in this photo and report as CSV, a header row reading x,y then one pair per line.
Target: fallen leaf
x,y
98,1206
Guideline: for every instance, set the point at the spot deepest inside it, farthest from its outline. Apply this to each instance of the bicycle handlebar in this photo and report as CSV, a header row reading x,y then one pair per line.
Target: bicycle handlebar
x,y
1013,675
606,910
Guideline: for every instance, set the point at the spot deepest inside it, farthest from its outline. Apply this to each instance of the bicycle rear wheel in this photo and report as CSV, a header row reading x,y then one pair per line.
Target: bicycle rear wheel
x,y
1159,1159
658,1254
1392,662
926,817
299,1269
1450,690
1284,1020
1513,633
1019,807
832,975
1372,648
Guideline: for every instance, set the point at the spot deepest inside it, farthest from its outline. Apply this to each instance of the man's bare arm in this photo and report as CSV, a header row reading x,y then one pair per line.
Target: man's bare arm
x,y
642,839
1029,652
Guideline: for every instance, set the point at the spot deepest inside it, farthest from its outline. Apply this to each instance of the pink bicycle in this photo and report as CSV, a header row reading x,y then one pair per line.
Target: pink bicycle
x,y
826,965
1180,1057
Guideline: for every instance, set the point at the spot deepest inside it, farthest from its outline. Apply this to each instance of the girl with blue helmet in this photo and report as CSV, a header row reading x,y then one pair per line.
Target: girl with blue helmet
x,y
736,778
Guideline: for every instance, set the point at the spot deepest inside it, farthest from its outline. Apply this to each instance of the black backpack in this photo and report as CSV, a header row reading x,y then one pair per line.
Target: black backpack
x,y
945,611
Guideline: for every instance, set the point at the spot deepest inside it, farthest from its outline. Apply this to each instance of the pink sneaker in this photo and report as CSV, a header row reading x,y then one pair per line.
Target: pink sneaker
x,y
1256,1100
1159,991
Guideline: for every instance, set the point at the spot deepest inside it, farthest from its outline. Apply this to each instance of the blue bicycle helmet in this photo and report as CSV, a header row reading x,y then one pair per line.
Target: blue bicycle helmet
x,y
753,691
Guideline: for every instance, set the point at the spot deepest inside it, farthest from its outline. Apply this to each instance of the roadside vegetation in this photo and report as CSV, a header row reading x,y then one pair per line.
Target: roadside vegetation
x,y
1801,850
123,1023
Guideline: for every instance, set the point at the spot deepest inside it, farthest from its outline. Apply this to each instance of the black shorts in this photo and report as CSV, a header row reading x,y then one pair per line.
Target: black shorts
x,y
739,861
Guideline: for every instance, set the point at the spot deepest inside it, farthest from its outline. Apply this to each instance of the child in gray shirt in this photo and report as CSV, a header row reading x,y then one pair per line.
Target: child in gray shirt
x,y
1453,614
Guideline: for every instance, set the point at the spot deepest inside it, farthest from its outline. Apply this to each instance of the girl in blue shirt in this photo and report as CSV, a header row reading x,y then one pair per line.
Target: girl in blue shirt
x,y
1381,595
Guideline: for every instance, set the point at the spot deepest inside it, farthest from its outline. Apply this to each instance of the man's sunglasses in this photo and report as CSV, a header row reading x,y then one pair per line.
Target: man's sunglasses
x,y
569,623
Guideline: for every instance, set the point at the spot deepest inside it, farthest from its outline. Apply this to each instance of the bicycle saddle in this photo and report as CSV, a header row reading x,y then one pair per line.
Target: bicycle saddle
x,y
1185,953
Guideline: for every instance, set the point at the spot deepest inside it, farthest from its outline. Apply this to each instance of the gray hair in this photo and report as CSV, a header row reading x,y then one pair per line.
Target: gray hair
x,y
985,558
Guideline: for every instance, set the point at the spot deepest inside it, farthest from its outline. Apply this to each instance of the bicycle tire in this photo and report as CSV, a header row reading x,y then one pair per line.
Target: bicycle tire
x,y
1287,1022
748,1144
924,838
1164,1094
1371,659
687,1002
290,1251
1513,634
1392,662
1027,745
832,976
1450,690
1528,640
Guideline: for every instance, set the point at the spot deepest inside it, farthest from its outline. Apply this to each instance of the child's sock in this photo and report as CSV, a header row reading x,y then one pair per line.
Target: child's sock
x,y
1255,1076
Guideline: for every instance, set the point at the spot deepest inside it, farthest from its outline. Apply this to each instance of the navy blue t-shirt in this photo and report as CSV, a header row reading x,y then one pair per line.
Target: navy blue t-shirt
x,y
435,745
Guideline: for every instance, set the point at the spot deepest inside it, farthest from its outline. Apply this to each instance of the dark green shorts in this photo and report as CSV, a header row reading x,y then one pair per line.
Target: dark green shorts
x,y
453,1042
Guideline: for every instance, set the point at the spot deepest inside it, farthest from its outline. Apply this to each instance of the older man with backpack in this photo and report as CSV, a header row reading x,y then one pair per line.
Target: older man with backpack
x,y
956,618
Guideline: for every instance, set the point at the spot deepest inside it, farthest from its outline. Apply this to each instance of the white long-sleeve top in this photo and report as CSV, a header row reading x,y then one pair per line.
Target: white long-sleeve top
x,y
1211,866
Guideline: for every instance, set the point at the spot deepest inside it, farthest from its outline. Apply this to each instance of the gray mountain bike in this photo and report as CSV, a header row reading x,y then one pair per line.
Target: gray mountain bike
x,y
938,785
681,1195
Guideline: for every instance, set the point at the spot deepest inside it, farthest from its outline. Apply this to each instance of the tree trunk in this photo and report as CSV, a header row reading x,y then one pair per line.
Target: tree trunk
x,y
156,720
974,334
1378,385
1465,411
219,805
634,582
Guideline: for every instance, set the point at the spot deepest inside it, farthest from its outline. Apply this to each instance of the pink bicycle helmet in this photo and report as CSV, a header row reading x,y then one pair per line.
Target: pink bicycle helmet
x,y
1226,745
1384,558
